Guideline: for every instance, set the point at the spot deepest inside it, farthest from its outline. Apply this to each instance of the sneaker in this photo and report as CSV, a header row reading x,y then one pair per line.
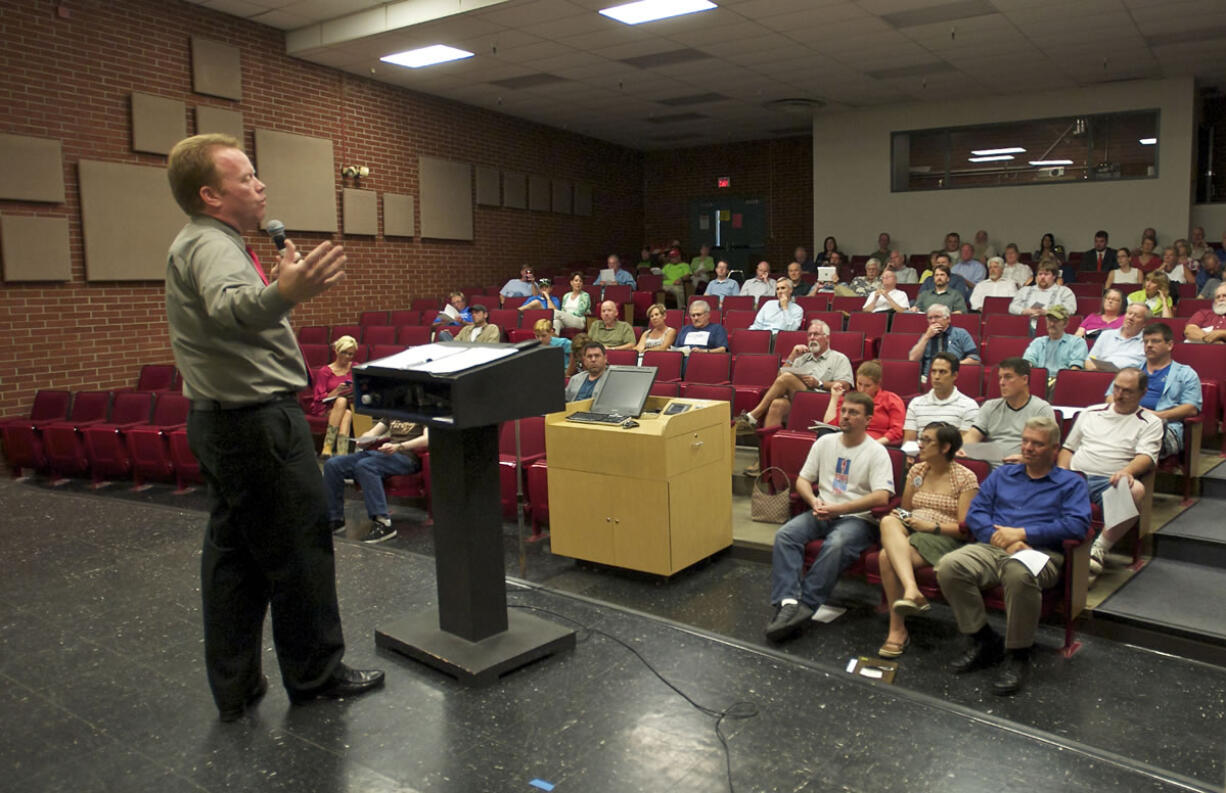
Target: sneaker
x,y
787,621
1098,559
379,532
745,424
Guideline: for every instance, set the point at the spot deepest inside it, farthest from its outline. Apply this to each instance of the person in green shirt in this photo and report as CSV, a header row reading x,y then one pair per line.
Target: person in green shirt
x,y
676,274
702,265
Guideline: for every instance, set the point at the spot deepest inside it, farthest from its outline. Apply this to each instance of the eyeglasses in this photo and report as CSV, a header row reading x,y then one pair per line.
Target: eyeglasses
x,y
922,441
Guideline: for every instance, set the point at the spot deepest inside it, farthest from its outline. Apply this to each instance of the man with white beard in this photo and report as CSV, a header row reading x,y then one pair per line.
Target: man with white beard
x,y
1208,325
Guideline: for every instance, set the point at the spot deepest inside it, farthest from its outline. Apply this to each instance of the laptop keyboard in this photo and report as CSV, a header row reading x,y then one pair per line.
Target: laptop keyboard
x,y
595,418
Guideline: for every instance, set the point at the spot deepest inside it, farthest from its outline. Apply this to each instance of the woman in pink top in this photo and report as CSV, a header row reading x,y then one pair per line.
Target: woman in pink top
x,y
333,390
1110,318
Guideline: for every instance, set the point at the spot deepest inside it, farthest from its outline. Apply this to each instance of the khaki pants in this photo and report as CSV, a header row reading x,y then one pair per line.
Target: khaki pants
x,y
965,573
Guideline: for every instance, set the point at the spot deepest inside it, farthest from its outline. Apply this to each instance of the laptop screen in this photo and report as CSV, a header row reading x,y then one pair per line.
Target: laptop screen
x,y
625,390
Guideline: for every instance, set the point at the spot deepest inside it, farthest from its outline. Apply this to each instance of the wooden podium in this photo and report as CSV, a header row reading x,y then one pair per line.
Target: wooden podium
x,y
655,498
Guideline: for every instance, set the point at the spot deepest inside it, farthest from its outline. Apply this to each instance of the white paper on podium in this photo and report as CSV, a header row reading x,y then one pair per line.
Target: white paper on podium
x,y
1034,560
1118,505
442,358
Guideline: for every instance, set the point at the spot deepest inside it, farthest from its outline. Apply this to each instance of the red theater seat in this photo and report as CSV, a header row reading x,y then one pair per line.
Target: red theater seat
x,y
149,446
23,446
105,442
187,467
64,441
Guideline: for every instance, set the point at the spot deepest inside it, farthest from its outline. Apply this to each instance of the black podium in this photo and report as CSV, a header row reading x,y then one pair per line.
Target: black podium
x,y
462,392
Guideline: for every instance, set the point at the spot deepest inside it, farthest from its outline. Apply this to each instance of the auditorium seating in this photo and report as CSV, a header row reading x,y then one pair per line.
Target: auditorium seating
x,y
106,446
313,334
736,319
149,446
910,324
833,319
901,377
412,335
749,341
347,330
997,348
807,407
155,377
668,363
752,375
531,449
186,466
713,368
373,335
374,318
23,444
64,441
1004,325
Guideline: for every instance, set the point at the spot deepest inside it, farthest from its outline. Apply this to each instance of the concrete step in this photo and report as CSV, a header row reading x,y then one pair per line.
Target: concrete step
x,y
1197,536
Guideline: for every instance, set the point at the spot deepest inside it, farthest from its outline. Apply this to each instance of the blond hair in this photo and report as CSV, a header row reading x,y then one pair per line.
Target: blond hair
x,y
191,167
344,343
542,326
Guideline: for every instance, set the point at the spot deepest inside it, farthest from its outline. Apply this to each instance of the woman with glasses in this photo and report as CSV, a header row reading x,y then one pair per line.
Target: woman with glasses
x,y
935,499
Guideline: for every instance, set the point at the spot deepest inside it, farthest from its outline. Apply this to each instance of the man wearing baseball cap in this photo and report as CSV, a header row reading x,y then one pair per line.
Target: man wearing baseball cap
x,y
1057,350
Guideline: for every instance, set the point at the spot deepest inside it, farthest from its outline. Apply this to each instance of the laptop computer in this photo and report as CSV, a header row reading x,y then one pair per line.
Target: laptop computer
x,y
622,397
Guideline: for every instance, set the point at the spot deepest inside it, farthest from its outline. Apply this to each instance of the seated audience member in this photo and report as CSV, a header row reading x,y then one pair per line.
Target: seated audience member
x,y
1057,350
545,334
389,448
575,306
1123,346
888,408
1033,300
1209,276
870,282
943,403
464,314
852,475
702,265
953,246
677,275
882,254
619,276
995,285
1149,233
524,286
941,291
1124,273
613,333
1031,506
1155,292
801,257
1017,270
646,260
800,287
576,355
480,332
984,249
586,383
544,298
1002,420
942,337
830,246
1145,259
1197,248
761,285
780,314
1175,272
887,296
897,262
1208,325
1101,258
1120,440
1109,317
332,393
1048,248
701,335
1183,251
935,500
1173,390
658,336
721,286
807,368
968,266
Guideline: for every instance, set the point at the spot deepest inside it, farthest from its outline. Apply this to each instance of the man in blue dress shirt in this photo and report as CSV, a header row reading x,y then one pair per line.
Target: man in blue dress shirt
x,y
1173,390
1032,506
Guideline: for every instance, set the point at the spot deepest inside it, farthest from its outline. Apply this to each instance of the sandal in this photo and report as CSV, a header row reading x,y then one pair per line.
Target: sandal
x,y
906,607
893,649
753,469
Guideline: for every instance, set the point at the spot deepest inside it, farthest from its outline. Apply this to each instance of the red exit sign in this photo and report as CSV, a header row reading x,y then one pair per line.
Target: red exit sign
x,y
723,182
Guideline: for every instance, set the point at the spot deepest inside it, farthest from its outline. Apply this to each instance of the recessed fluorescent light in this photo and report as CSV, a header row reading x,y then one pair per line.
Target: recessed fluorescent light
x,y
1046,163
1147,141
993,158
990,152
651,10
426,56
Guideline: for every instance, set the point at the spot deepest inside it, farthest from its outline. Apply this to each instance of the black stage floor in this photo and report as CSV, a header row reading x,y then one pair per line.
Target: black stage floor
x,y
100,655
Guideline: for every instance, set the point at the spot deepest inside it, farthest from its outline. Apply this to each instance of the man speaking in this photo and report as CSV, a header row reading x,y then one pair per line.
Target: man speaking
x,y
267,540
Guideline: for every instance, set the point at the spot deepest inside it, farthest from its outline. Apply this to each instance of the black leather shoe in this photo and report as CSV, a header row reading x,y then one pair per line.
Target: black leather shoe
x,y
981,653
256,693
1013,673
788,620
345,682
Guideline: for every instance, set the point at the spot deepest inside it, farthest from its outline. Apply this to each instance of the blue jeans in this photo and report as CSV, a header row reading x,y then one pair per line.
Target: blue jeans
x,y
367,469
1096,485
845,539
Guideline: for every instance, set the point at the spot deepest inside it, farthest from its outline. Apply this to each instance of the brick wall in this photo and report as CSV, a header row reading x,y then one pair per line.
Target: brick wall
x,y
71,79
779,171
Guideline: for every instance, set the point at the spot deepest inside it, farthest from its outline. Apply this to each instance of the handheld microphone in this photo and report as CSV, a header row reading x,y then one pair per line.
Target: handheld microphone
x,y
276,230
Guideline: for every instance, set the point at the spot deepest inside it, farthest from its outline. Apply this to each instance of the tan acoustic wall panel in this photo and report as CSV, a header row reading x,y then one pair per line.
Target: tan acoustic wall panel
x,y
514,190
301,176
158,123
583,200
216,69
489,187
33,169
35,249
128,220
446,199
361,211
561,201
398,215
216,119
540,194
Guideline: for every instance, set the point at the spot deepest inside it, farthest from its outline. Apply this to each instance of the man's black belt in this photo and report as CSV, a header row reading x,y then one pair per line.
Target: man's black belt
x,y
211,405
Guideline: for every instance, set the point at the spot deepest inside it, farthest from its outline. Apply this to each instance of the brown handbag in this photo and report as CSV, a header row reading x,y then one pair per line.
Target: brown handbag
x,y
770,502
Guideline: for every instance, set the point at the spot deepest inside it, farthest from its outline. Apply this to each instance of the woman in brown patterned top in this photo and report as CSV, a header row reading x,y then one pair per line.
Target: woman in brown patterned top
x,y
934,503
